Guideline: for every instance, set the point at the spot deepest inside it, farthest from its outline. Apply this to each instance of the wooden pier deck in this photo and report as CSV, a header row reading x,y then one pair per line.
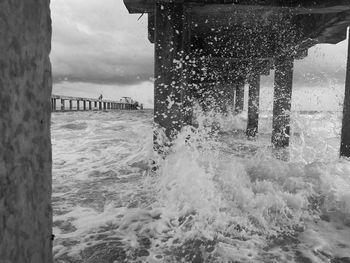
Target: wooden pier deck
x,y
67,103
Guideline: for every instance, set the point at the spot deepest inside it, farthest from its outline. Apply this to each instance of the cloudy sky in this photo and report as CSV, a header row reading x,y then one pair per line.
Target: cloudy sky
x,y
98,47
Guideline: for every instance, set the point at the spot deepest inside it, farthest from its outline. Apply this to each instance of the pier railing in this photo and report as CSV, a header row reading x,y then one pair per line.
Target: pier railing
x,y
66,103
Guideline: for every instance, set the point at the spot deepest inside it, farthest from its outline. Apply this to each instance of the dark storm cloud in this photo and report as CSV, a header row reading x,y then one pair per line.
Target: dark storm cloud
x,y
99,42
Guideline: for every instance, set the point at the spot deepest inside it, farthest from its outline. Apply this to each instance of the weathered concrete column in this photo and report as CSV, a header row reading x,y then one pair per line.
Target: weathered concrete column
x,y
78,105
84,104
253,106
62,104
54,105
239,103
168,54
25,144
100,105
90,105
95,104
282,101
345,131
70,105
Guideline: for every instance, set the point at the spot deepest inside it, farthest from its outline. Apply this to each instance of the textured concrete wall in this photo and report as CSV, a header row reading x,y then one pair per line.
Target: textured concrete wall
x,y
25,146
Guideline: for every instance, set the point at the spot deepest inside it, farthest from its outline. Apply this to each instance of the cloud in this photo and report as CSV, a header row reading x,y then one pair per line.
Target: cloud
x,y
99,42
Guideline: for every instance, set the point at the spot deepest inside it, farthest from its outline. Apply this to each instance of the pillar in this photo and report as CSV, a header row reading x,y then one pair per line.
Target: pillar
x,y
253,106
70,105
168,54
95,103
54,105
78,106
25,143
345,131
100,105
62,104
84,104
239,98
282,101
187,87
90,105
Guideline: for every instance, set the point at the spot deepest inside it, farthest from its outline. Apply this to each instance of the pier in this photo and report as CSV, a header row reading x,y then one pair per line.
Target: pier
x,y
66,103
213,48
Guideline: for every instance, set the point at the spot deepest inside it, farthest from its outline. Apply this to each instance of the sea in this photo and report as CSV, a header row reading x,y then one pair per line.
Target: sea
x,y
212,196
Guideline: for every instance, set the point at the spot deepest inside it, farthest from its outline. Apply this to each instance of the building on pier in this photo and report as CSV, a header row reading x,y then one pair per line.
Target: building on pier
x,y
206,46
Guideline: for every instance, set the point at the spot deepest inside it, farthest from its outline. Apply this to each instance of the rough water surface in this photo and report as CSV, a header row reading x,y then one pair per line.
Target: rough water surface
x,y
216,197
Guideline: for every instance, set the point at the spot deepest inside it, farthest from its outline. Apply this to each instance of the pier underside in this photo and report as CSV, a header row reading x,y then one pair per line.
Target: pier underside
x,y
205,46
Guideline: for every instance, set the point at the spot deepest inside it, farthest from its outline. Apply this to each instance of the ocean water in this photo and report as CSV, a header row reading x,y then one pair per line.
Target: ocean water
x,y
215,197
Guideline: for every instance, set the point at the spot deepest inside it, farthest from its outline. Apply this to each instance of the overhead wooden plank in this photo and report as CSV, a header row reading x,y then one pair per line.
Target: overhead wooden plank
x,y
303,6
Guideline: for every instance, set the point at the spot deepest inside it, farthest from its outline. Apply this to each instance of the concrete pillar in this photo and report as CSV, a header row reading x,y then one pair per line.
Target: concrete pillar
x,y
100,105
70,105
90,105
168,54
239,98
282,101
253,106
54,105
84,104
62,104
25,143
78,105
95,103
345,132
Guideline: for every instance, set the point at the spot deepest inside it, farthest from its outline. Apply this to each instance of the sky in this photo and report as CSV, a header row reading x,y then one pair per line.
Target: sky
x,y
98,47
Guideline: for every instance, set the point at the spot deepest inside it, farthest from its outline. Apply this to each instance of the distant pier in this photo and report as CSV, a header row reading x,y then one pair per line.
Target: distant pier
x,y
66,103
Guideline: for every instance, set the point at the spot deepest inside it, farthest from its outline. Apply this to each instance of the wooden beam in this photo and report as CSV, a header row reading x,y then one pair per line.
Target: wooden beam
x,y
253,105
282,101
345,131
168,55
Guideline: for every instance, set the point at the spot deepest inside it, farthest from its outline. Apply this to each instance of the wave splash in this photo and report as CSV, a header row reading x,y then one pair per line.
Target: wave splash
x,y
208,202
